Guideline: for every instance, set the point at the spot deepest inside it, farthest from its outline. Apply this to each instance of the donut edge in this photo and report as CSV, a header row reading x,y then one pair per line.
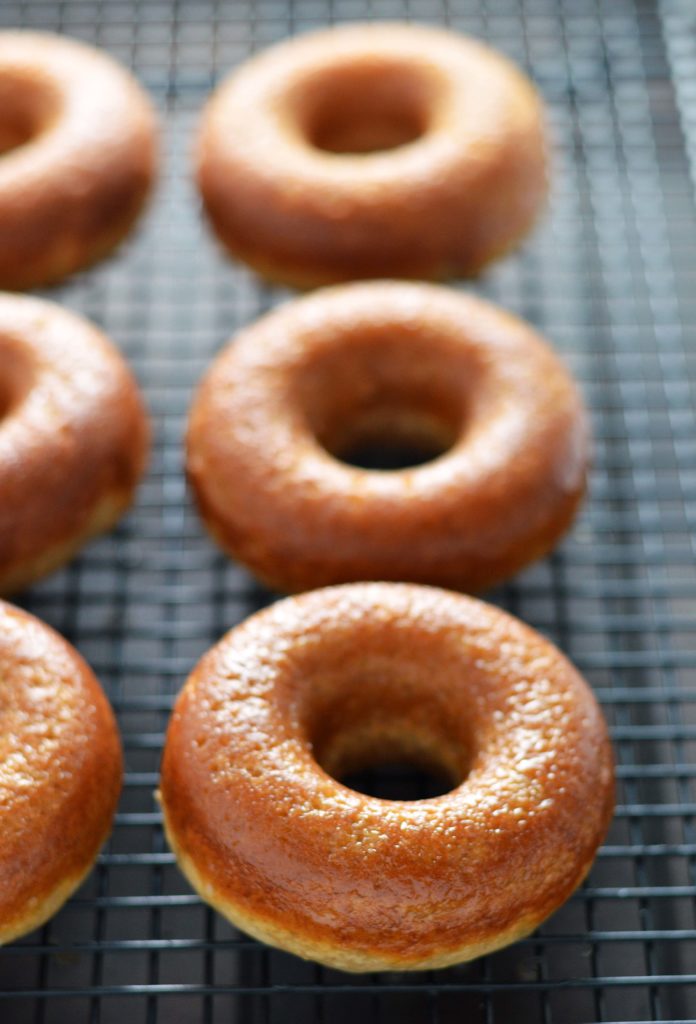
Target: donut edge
x,y
106,514
290,274
361,961
38,914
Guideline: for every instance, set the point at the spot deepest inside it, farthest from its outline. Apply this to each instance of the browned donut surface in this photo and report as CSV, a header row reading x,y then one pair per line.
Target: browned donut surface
x,y
77,156
74,437
387,360
382,150
60,771
338,679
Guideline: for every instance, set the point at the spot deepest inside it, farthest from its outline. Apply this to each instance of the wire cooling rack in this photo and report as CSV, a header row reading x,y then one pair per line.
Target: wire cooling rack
x,y
610,277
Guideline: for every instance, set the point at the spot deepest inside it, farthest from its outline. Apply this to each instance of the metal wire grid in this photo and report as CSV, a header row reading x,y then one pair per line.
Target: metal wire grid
x,y
610,279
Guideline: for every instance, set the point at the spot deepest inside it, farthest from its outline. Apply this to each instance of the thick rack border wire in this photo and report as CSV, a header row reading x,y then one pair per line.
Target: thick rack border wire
x,y
610,277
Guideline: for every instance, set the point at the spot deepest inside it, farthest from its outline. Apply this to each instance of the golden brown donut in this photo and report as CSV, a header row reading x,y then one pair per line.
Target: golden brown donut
x,y
74,437
382,150
387,360
320,685
77,156
60,771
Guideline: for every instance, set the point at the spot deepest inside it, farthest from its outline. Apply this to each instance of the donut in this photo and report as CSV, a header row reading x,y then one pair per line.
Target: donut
x,y
382,150
77,156
74,437
327,683
60,771
408,362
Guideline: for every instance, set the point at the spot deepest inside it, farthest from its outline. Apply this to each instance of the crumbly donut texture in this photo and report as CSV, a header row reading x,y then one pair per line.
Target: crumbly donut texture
x,y
295,390
78,155
60,771
381,150
74,437
335,680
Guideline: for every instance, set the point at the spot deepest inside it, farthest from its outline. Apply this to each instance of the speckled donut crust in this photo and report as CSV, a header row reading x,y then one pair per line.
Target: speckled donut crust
x,y
74,437
459,180
78,156
60,771
344,677
384,358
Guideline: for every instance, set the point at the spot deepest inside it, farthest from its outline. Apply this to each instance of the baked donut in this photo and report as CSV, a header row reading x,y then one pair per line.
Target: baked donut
x,y
383,150
332,681
74,437
60,771
77,156
391,361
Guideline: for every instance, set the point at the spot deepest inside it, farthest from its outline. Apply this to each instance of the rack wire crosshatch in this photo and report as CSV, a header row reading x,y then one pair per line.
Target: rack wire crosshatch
x,y
610,278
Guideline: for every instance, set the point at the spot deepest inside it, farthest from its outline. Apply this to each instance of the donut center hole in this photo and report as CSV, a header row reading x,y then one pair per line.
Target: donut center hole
x,y
395,760
384,730
398,780
367,108
27,106
394,439
385,406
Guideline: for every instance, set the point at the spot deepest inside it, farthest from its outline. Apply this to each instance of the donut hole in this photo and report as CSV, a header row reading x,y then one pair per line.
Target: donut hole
x,y
381,728
399,780
403,756
366,108
393,438
26,108
384,405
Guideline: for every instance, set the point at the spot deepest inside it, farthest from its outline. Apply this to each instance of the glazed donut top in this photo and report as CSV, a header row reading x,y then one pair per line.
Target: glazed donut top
x,y
73,430
344,678
415,81
71,119
60,769
366,131
356,363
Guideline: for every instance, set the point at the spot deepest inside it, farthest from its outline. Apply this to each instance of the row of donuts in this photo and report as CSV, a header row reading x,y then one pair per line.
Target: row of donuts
x,y
280,157
270,423
271,717
282,707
